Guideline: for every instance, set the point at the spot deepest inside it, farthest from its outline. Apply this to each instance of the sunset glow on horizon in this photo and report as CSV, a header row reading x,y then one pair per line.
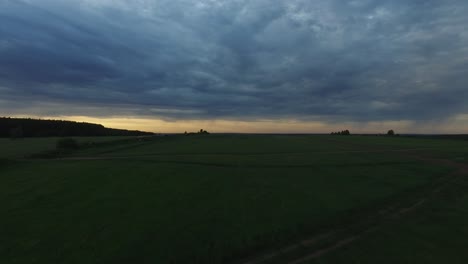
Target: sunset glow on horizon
x,y
238,66
264,126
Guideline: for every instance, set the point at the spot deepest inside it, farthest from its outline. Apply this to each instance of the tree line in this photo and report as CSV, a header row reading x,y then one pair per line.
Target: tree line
x,y
343,133
347,133
28,127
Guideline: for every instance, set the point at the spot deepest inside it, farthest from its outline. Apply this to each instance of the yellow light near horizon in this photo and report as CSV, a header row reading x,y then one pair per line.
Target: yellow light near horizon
x,y
217,126
457,124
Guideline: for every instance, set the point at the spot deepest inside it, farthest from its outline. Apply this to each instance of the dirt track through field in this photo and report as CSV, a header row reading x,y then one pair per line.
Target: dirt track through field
x,y
390,213
147,157
247,154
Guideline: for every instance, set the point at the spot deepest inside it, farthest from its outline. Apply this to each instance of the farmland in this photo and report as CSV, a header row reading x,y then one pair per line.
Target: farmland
x,y
235,199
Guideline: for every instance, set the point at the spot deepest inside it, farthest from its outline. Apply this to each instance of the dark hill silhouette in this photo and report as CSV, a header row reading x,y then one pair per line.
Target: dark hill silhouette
x,y
27,127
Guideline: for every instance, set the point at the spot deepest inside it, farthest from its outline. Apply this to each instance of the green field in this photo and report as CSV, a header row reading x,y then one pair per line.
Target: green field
x,y
235,199
20,148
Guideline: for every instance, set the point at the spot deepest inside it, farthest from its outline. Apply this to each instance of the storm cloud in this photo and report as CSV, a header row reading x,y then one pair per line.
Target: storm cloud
x,y
316,60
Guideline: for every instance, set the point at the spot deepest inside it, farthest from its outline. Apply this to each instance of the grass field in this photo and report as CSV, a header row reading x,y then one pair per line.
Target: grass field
x,y
236,199
20,148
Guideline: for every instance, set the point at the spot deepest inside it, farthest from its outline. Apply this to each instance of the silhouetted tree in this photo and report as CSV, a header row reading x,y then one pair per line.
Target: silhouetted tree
x,y
343,133
391,132
203,132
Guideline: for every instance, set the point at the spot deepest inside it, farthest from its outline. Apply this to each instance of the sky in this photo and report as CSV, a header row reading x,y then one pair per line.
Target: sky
x,y
258,66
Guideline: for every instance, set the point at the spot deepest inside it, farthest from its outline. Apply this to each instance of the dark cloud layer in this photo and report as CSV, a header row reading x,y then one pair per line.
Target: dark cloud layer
x,y
359,60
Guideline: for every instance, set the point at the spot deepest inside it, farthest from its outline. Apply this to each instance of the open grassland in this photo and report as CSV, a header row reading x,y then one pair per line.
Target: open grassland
x,y
20,148
235,199
435,233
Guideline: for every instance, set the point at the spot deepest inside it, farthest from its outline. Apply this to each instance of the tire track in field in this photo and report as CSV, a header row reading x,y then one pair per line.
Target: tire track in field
x,y
144,157
227,165
147,157
348,236
251,153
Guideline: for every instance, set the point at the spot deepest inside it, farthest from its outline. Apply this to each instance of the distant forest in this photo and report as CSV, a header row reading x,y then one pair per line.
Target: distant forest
x,y
27,127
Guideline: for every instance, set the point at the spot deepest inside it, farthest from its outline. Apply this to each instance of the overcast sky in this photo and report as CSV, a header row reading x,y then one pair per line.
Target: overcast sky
x,y
238,66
